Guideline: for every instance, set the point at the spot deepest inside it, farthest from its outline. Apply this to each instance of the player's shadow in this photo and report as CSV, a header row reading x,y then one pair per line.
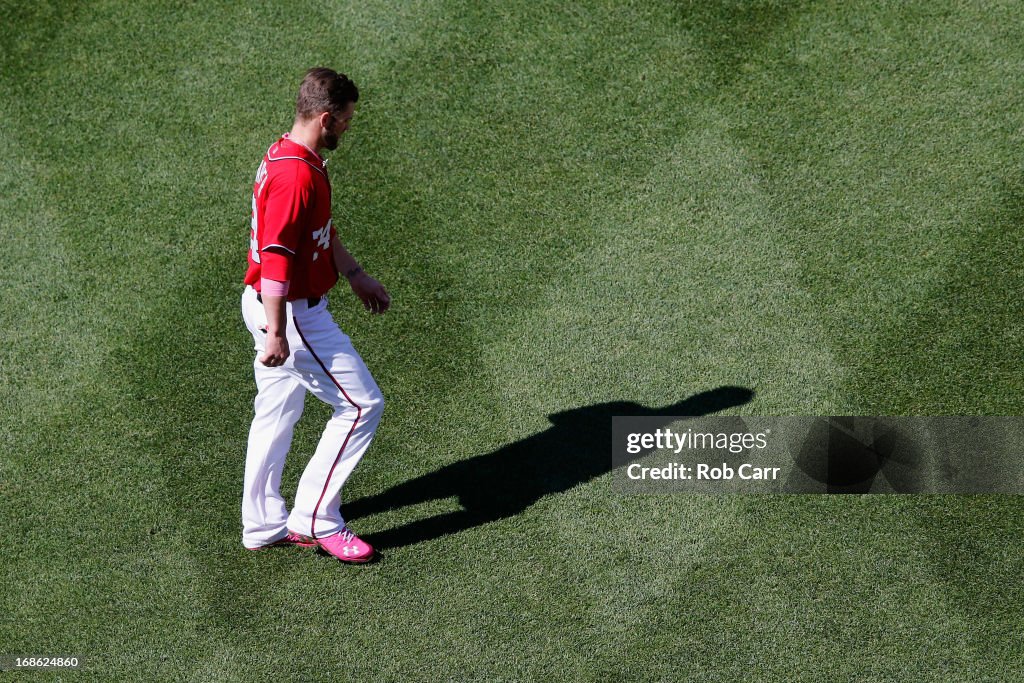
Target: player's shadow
x,y
574,449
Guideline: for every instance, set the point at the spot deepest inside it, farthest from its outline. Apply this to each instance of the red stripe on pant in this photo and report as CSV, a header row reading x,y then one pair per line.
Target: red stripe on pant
x,y
359,414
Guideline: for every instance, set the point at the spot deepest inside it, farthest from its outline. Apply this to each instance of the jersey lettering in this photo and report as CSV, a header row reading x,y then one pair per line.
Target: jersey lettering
x,y
261,180
322,237
261,177
254,245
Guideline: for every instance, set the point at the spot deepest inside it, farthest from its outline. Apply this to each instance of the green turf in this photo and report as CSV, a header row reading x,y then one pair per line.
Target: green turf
x,y
571,203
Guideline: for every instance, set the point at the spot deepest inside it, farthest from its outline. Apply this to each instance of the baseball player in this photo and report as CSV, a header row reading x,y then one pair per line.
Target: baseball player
x,y
295,258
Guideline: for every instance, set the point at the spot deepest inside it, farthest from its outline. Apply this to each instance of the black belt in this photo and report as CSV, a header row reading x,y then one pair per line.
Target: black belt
x,y
310,302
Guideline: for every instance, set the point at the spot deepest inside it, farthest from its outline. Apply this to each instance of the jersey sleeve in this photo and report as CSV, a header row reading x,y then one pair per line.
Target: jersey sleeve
x,y
285,213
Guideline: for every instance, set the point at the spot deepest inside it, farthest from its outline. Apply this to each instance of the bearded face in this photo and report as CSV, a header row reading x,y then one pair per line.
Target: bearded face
x,y
329,140
336,126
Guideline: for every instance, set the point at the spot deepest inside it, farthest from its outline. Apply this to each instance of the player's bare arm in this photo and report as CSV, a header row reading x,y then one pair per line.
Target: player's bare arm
x,y
276,350
372,293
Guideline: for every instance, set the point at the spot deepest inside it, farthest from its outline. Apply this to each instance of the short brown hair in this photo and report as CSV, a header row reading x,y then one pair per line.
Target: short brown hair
x,y
324,90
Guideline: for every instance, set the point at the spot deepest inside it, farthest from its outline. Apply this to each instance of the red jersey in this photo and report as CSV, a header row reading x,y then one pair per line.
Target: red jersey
x,y
291,214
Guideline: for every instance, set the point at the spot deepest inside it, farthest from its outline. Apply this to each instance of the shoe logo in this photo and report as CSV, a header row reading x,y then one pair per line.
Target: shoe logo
x,y
349,550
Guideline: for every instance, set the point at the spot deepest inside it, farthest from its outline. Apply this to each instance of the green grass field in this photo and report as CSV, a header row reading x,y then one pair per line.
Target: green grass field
x,y
571,203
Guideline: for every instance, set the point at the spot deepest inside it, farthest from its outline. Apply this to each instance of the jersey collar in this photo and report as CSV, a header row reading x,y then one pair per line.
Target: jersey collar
x,y
302,150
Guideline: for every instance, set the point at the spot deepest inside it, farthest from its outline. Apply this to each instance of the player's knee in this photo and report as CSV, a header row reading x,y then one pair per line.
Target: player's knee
x,y
373,405
370,406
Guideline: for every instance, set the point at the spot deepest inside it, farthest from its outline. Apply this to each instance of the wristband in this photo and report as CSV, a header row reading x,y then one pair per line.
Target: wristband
x,y
271,287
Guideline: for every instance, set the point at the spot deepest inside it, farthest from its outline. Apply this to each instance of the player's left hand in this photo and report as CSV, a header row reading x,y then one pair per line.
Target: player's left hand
x,y
372,293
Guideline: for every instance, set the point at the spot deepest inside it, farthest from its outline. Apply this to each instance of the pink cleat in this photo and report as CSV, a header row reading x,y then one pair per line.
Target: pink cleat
x,y
292,538
347,547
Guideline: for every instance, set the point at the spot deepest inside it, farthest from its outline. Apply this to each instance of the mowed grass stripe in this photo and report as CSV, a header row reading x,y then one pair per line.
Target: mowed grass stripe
x,y
98,571
956,350
899,184
887,174
922,167
841,586
87,493
970,545
915,180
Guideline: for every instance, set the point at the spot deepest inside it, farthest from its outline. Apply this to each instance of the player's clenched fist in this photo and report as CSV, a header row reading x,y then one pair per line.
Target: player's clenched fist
x,y
276,350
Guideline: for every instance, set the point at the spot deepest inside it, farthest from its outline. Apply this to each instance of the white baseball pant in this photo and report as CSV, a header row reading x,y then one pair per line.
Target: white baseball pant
x,y
323,362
